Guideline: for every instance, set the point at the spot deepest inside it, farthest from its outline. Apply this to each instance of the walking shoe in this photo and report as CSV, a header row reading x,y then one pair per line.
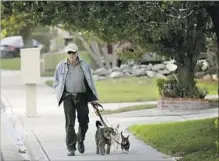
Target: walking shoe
x,y
71,153
81,147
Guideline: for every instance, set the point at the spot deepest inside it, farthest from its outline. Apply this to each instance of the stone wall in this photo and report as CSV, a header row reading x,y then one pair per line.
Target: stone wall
x,y
160,70
153,71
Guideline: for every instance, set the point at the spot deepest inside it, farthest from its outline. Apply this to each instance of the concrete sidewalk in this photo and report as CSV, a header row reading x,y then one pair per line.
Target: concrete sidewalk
x,y
46,132
9,150
11,147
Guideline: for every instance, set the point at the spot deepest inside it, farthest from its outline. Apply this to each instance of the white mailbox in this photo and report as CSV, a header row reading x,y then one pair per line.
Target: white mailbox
x,y
30,71
30,65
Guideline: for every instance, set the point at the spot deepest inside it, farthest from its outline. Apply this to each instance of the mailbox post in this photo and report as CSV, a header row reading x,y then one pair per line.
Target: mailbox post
x,y
30,71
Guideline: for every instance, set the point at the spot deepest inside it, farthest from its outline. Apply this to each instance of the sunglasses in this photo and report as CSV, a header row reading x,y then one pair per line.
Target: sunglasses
x,y
71,52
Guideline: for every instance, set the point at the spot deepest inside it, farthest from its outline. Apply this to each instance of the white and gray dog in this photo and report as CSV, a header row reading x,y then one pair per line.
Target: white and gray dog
x,y
103,137
116,137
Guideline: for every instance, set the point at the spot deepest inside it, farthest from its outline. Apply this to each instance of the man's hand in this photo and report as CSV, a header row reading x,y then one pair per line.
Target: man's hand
x,y
94,102
95,105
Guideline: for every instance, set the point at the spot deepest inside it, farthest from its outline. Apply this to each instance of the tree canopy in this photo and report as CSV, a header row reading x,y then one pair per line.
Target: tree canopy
x,y
139,21
175,28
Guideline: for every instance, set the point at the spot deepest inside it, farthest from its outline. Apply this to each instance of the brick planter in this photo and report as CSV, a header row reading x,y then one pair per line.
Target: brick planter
x,y
185,104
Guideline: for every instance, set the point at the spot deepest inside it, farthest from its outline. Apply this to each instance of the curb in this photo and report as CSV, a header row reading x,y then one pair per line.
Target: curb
x,y
26,143
34,146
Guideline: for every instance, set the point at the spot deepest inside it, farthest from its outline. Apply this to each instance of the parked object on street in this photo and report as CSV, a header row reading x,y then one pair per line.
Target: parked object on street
x,y
10,46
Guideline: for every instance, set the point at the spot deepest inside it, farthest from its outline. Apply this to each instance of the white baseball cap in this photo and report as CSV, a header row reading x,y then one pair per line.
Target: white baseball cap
x,y
71,47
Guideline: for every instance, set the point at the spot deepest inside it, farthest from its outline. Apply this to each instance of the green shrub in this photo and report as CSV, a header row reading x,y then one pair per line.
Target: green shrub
x,y
171,88
160,85
130,54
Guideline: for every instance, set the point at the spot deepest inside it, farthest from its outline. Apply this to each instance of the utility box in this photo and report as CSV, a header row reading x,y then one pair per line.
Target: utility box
x,y
30,71
30,65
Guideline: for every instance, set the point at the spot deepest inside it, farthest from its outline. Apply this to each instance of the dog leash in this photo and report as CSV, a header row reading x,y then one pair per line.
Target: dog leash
x,y
97,112
116,141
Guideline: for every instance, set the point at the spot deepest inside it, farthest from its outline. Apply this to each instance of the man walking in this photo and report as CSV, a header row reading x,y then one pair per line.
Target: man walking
x,y
74,86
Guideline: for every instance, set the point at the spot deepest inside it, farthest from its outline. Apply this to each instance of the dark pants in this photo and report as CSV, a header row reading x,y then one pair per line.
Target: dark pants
x,y
73,104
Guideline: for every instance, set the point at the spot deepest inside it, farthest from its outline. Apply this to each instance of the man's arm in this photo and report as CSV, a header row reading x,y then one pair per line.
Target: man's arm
x,y
92,81
56,78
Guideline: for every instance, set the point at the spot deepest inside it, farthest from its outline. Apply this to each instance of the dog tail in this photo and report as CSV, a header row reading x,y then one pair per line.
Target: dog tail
x,y
121,133
98,123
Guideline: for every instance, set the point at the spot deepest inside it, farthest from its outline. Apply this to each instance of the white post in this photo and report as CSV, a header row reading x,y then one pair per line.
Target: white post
x,y
30,69
31,105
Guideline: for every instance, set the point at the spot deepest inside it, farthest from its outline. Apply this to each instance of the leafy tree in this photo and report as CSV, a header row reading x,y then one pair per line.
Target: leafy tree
x,y
176,29
16,22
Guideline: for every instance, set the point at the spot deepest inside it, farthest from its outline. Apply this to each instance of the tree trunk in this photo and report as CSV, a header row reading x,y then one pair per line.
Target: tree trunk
x,y
187,61
186,73
26,34
96,50
104,50
114,54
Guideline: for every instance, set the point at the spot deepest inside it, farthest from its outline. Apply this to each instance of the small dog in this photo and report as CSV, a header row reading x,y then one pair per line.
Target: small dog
x,y
116,137
103,137
125,144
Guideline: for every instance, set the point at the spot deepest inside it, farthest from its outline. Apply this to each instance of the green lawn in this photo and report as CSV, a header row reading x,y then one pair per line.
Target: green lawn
x,y
126,109
192,140
212,86
134,89
127,89
15,64
10,64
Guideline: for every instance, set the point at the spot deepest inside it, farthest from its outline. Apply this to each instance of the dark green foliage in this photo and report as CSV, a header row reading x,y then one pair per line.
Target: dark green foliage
x,y
171,88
